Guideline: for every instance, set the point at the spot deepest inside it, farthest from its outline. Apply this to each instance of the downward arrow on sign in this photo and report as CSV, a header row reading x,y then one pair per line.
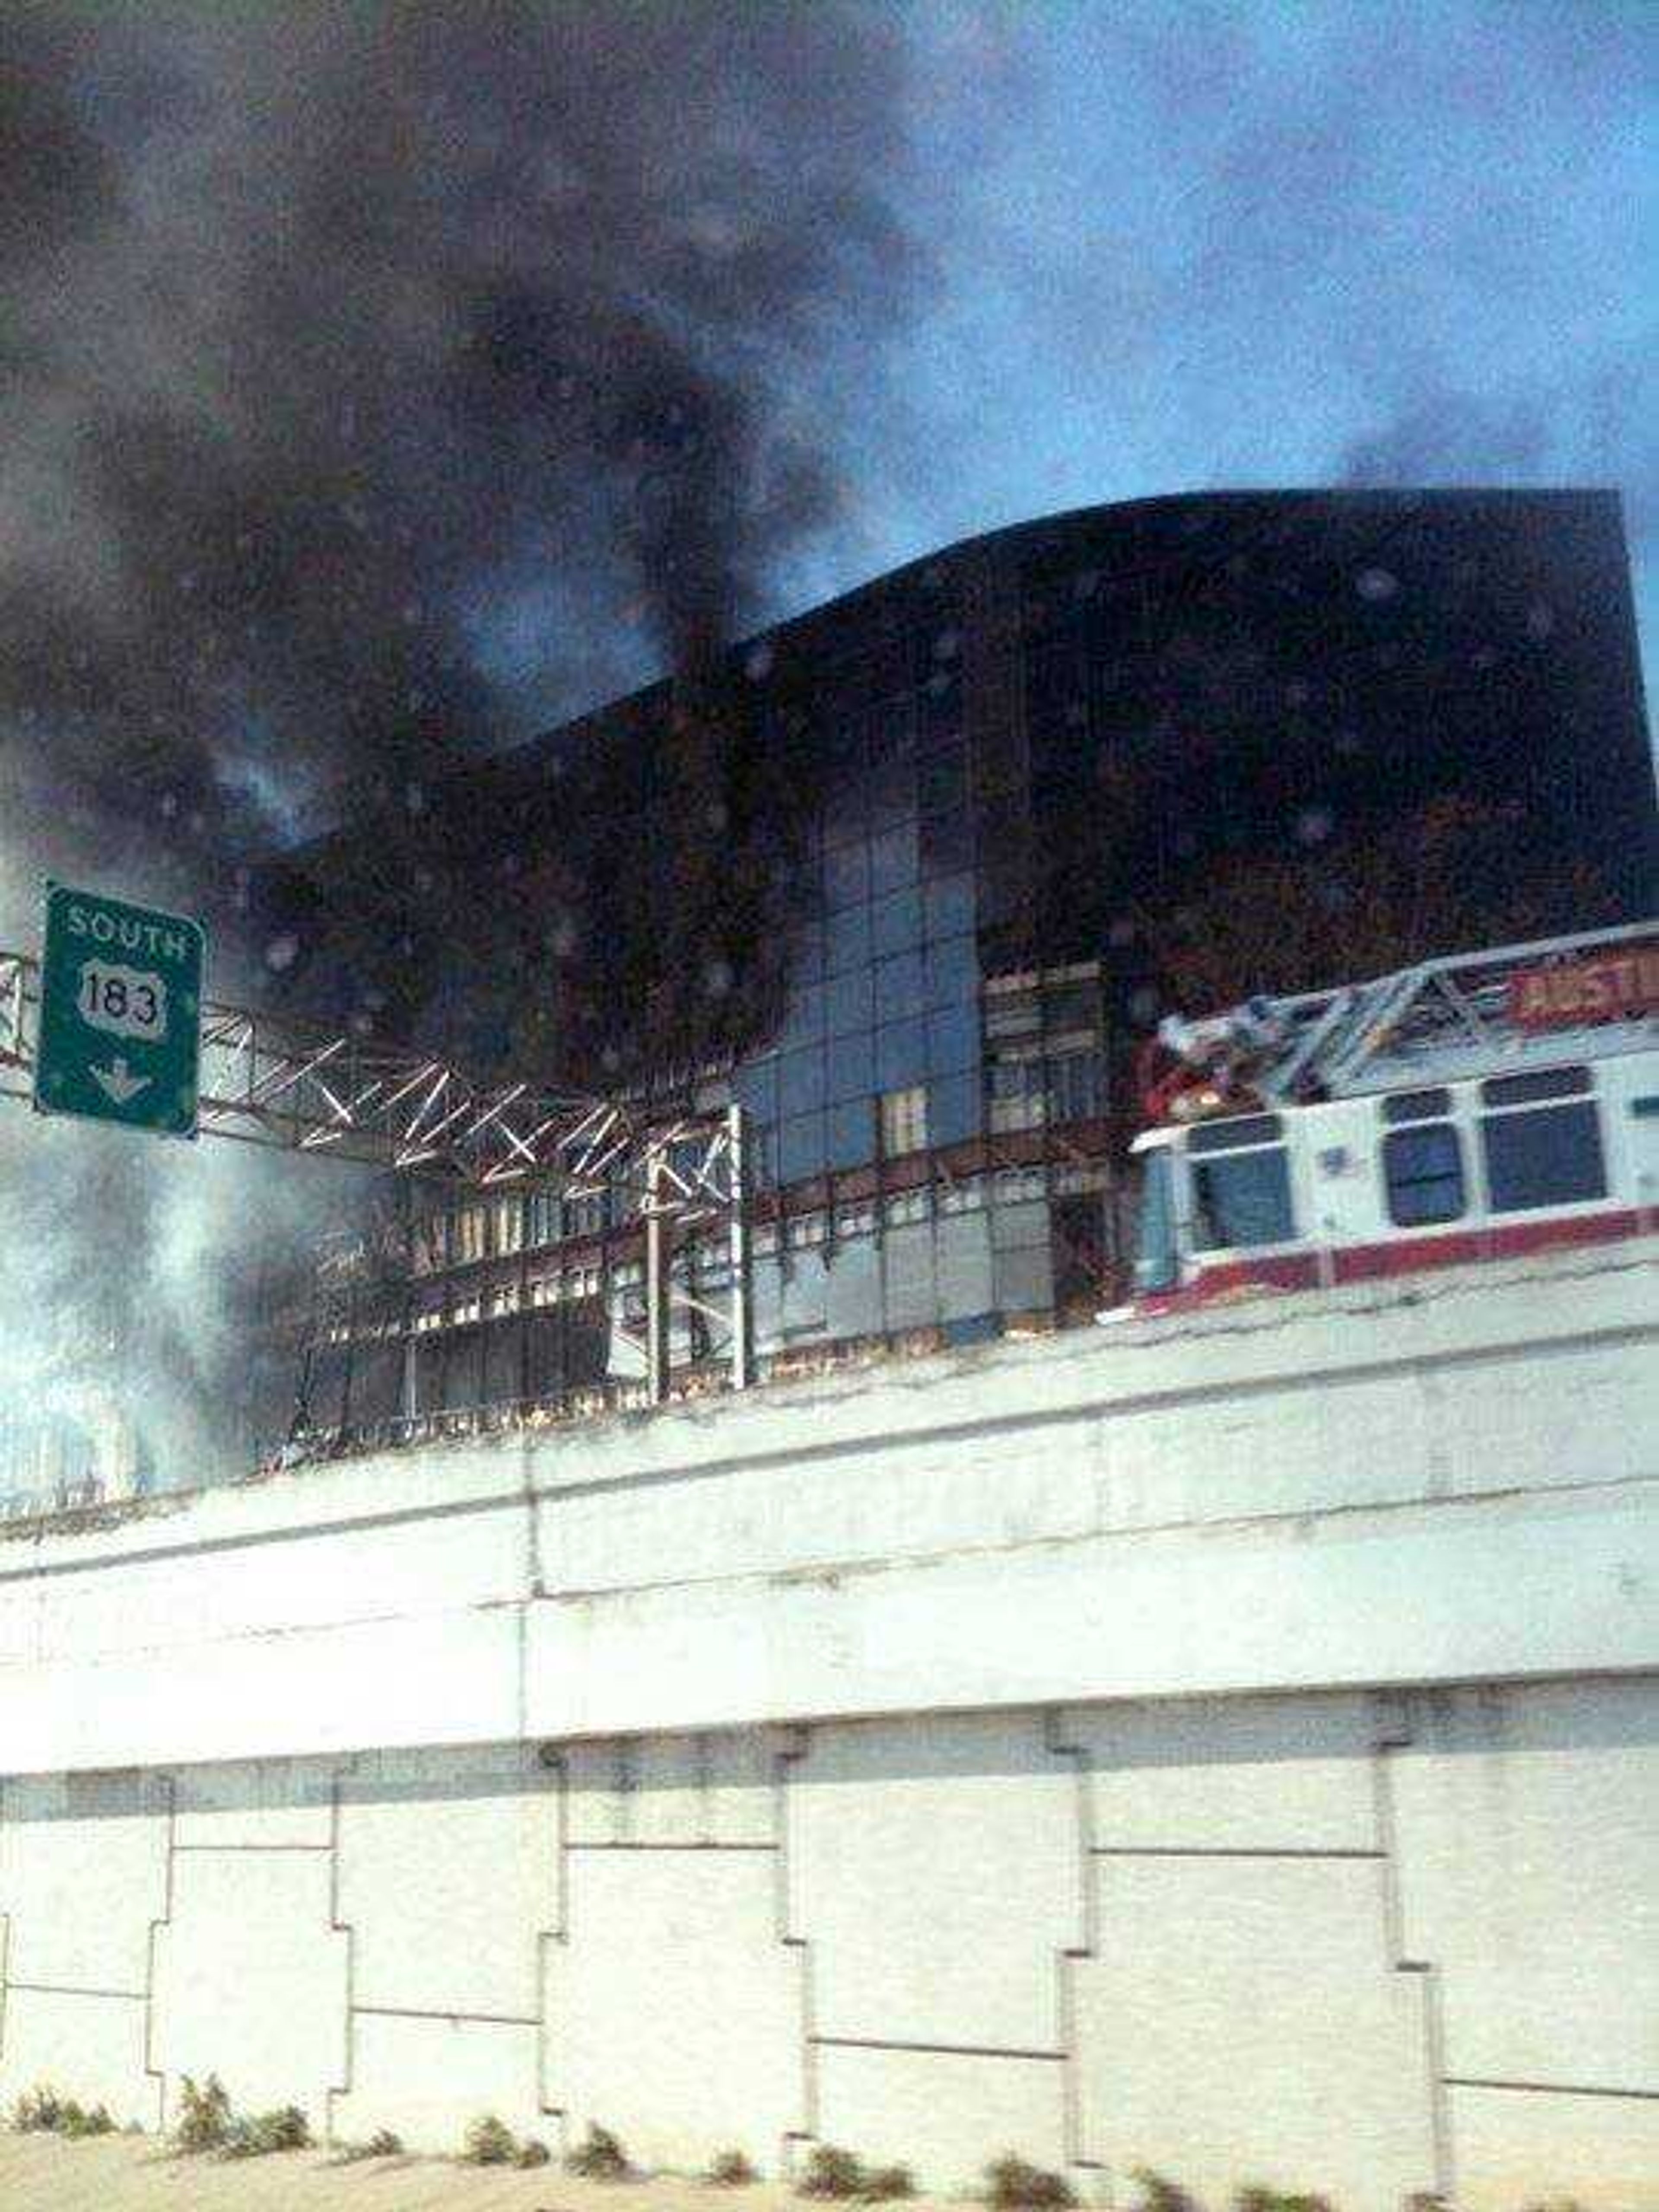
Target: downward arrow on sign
x,y
118,1082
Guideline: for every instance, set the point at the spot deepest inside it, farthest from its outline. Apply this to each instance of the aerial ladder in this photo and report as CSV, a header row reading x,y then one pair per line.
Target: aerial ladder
x,y
1443,1020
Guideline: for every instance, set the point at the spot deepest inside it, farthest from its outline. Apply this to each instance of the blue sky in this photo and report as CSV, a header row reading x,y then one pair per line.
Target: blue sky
x,y
1179,245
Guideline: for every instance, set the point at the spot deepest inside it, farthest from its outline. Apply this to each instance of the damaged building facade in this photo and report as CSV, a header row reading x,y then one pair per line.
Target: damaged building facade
x,y
911,879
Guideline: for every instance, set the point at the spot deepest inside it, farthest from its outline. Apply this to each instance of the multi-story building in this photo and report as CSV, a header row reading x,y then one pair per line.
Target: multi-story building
x,y
911,876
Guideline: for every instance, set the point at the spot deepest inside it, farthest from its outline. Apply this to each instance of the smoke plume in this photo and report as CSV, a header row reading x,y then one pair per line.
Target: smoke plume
x,y
369,373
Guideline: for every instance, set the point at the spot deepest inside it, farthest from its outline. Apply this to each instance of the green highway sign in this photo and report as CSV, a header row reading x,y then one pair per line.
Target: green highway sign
x,y
120,1012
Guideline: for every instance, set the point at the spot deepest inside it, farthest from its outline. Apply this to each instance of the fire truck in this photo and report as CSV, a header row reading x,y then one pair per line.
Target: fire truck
x,y
1466,1110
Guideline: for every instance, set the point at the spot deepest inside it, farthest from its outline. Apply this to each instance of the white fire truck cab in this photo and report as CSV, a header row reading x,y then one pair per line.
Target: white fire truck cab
x,y
1466,1110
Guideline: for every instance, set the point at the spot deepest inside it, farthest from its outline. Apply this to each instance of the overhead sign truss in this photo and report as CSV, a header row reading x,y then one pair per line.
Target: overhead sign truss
x,y
266,1081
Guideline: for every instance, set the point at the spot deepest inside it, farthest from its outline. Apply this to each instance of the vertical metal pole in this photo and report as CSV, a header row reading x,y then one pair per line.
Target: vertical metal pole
x,y
413,1228
656,1282
741,1341
527,1211
347,1379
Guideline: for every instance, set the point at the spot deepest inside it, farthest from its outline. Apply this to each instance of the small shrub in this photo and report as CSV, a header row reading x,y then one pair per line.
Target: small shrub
x,y
882,2183
79,2120
38,2112
1014,2187
204,2123
382,2144
831,2172
730,2169
1255,2198
43,2111
489,2143
598,2157
532,2153
1160,2194
259,2135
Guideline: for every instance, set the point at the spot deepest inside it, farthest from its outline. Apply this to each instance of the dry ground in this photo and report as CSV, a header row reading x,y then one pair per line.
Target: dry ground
x,y
137,2173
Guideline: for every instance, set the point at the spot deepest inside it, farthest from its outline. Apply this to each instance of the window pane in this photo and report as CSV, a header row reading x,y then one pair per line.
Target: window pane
x,y
1242,1199
904,1121
1424,1171
952,970
1157,1258
852,1133
801,1148
894,860
941,701
847,1001
1417,1106
895,920
846,875
947,841
950,905
953,1039
944,786
1243,1129
805,1019
801,1080
1551,1157
899,986
808,956
847,940
954,1111
901,1054
1074,1086
852,1067
893,792
847,816
757,1086
1547,1083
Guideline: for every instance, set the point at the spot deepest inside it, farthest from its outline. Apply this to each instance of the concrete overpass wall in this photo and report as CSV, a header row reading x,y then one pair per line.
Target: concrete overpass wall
x,y
1229,1746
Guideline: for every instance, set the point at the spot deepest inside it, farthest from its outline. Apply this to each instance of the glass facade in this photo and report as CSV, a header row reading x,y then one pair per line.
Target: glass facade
x,y
937,842
879,1040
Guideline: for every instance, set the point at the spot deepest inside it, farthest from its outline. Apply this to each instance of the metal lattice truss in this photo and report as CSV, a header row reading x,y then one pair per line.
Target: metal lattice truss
x,y
272,1083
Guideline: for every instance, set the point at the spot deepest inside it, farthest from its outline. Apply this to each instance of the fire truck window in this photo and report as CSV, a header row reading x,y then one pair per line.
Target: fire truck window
x,y
1416,1106
1424,1170
1549,1157
1241,1198
1157,1260
1542,1083
1227,1136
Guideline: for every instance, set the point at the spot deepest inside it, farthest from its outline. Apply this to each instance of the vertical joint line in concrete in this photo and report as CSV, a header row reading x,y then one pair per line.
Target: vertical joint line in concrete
x,y
1065,1961
5,1931
795,1749
338,1927
558,1768
1396,1731
157,2074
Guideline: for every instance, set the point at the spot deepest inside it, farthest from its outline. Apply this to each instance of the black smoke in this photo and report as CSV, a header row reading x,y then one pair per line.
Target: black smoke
x,y
365,372
330,333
